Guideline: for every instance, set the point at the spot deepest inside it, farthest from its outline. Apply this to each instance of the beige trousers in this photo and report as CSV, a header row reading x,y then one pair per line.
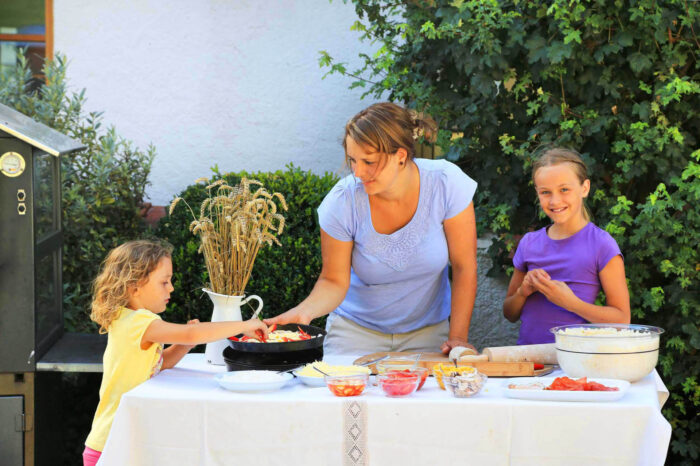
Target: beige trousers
x,y
347,337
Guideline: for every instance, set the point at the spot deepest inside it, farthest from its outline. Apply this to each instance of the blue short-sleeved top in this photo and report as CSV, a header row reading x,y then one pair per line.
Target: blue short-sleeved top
x,y
398,282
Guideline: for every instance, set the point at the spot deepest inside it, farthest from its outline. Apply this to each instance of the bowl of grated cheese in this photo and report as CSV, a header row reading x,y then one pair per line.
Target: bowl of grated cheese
x,y
613,351
313,378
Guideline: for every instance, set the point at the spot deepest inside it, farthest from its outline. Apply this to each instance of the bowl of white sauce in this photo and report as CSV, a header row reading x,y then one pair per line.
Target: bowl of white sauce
x,y
253,381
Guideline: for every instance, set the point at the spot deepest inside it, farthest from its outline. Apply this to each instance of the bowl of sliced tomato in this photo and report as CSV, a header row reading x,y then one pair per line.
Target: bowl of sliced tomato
x,y
421,371
397,384
347,385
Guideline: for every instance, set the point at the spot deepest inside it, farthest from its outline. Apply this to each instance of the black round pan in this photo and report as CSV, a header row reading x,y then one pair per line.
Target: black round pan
x,y
316,341
240,361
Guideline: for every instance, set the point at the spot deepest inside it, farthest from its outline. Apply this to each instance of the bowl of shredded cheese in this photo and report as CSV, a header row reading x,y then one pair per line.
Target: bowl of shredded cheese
x,y
313,378
613,351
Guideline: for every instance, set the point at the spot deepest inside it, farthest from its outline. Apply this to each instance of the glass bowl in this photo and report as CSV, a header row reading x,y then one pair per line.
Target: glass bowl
x,y
347,385
399,364
609,351
447,370
421,371
396,384
465,385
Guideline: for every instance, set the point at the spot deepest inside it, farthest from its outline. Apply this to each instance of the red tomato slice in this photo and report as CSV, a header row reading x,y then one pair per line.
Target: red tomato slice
x,y
599,387
346,390
582,384
423,378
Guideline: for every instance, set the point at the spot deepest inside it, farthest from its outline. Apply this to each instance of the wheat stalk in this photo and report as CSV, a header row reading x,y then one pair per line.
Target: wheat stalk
x,y
233,223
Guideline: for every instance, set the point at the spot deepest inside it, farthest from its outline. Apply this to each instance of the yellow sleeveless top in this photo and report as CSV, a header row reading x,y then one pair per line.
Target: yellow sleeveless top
x,y
125,365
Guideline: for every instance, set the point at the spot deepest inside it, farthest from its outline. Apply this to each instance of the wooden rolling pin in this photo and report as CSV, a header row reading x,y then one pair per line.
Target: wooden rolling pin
x,y
542,354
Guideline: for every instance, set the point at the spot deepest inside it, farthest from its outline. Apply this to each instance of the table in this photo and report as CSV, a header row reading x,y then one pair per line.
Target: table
x,y
183,417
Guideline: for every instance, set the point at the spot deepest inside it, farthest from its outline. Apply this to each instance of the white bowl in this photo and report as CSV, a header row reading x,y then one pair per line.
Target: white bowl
x,y
611,351
310,381
253,381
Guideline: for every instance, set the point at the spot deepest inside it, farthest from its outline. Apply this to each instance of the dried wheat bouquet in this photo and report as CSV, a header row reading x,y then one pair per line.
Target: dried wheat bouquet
x,y
233,223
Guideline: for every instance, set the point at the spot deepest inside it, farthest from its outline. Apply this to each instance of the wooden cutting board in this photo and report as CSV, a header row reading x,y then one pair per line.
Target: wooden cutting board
x,y
492,369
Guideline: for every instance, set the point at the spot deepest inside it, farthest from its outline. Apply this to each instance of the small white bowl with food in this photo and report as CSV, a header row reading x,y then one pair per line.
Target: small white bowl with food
x,y
611,351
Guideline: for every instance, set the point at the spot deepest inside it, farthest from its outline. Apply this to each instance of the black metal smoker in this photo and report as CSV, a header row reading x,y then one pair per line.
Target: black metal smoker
x,y
31,317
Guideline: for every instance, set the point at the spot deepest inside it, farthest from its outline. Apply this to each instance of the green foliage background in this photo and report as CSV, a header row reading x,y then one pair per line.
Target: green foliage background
x,y
282,276
616,80
102,186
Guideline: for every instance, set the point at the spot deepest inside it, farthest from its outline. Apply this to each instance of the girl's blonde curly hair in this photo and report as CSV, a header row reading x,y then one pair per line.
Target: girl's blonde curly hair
x,y
124,268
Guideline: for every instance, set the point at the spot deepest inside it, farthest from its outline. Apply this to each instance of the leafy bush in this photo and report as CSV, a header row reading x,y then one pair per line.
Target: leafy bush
x,y
617,80
102,186
282,276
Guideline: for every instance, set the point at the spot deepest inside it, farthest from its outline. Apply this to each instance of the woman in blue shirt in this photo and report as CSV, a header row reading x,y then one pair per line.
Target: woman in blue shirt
x,y
387,234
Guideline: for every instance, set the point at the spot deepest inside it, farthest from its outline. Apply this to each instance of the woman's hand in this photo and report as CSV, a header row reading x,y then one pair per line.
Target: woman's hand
x,y
556,291
454,342
292,316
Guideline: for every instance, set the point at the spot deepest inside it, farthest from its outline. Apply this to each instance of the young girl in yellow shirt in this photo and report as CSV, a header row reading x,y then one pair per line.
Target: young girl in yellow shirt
x,y
132,288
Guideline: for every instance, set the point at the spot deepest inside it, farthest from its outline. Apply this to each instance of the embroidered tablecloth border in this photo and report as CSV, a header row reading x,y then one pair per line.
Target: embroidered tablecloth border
x,y
355,433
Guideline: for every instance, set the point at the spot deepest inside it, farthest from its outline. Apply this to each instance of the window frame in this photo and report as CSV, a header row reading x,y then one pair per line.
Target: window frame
x,y
46,38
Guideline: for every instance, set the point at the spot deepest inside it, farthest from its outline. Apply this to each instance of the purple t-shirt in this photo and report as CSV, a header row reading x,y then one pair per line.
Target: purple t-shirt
x,y
576,261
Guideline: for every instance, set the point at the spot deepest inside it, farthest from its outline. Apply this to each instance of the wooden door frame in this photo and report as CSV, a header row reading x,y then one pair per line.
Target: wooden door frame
x,y
48,19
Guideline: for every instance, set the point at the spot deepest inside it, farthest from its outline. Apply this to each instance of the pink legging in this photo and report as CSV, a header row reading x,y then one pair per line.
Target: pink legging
x,y
90,456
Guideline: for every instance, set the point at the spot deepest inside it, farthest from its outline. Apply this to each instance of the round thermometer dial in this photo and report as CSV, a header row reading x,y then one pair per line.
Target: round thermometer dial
x,y
11,164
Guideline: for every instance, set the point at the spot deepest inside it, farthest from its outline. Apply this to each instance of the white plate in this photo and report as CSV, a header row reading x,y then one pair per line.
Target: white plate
x,y
562,395
228,381
310,381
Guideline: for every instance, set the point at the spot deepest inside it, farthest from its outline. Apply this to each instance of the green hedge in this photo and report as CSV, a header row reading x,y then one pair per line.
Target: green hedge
x,y
617,80
282,276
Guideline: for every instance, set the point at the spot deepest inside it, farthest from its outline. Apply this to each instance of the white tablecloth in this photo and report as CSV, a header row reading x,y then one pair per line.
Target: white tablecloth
x,y
183,417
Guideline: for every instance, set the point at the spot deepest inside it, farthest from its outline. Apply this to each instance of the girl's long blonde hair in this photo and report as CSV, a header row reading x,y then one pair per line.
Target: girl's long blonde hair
x,y
124,268
558,155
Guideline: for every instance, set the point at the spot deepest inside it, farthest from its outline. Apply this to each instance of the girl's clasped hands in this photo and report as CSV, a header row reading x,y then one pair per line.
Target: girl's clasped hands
x,y
555,291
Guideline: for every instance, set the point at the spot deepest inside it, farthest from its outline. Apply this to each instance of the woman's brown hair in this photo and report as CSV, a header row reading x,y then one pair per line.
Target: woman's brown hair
x,y
559,155
386,127
125,267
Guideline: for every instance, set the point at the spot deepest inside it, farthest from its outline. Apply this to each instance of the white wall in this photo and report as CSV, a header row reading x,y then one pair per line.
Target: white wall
x,y
228,82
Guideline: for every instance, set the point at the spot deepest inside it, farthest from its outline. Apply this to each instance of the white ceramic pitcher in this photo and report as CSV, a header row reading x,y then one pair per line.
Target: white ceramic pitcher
x,y
225,308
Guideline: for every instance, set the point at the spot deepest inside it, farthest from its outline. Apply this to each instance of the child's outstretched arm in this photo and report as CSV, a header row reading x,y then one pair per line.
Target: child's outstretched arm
x,y
198,332
617,298
521,286
174,353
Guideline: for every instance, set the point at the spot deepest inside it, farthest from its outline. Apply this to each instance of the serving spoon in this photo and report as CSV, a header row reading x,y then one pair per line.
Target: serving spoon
x,y
415,364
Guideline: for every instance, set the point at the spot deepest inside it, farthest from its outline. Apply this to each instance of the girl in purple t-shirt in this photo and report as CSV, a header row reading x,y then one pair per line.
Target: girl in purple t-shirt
x,y
559,269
